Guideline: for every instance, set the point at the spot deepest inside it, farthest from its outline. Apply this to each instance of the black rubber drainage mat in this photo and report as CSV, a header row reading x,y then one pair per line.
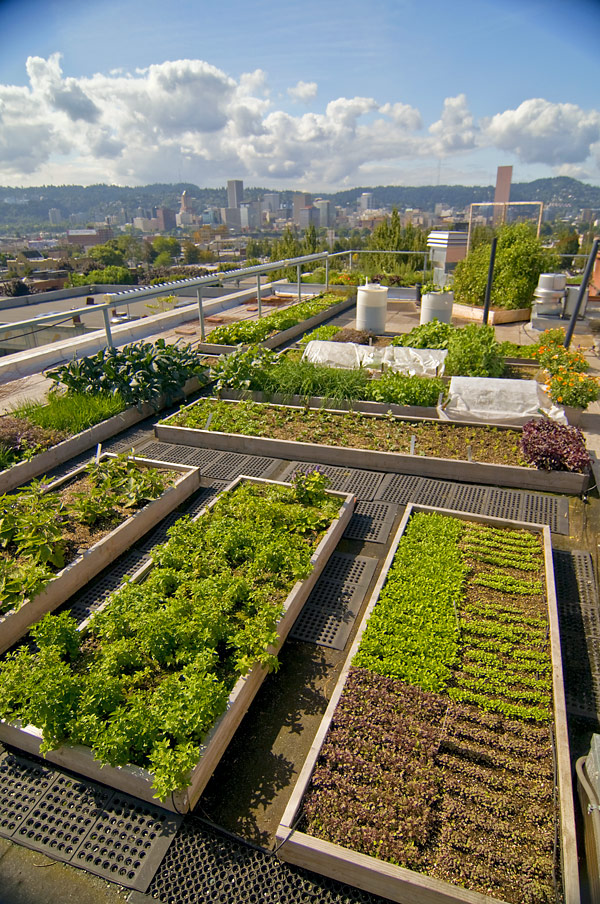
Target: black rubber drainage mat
x,y
204,866
330,611
212,464
371,521
579,632
515,505
82,823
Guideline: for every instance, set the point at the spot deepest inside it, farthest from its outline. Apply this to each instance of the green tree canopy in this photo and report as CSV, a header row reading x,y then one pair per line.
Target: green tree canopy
x,y
165,245
390,235
109,254
116,276
520,258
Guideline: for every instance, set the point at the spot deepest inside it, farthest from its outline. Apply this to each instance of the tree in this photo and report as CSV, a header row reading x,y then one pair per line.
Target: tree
x,y
520,258
163,259
191,254
108,254
286,247
310,244
391,236
116,276
165,245
567,244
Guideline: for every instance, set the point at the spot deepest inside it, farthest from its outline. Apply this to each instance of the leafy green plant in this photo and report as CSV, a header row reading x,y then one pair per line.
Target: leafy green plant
x,y
248,331
413,632
474,352
401,389
322,333
429,335
138,373
159,662
243,369
520,258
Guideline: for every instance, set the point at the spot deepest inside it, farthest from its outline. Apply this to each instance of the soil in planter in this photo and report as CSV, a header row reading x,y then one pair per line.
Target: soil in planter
x,y
458,785
492,445
20,439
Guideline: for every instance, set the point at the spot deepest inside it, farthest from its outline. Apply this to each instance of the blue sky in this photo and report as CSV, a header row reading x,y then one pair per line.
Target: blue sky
x,y
317,95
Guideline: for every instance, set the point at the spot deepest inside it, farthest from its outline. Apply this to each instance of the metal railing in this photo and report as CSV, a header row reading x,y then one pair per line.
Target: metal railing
x,y
128,296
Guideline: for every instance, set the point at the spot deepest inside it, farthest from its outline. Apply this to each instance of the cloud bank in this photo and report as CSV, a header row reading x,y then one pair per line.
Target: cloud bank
x,y
148,125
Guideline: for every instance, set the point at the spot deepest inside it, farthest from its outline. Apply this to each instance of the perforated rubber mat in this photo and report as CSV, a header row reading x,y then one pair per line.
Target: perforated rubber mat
x,y
82,823
364,484
212,464
516,505
371,521
203,866
579,632
330,611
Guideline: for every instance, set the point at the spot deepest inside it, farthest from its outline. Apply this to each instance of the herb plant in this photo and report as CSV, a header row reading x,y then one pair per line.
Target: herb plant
x,y
401,389
249,331
554,447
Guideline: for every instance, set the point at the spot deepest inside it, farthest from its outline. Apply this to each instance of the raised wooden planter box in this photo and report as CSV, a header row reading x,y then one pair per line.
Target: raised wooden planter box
x,y
25,471
496,315
137,781
284,336
408,412
391,462
396,882
81,570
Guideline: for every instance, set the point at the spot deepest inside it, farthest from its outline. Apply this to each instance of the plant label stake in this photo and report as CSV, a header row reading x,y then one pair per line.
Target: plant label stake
x,y
208,420
98,452
469,453
413,440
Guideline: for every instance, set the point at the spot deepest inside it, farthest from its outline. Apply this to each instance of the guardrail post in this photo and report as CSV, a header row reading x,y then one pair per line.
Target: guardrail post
x,y
201,312
298,269
109,340
258,298
327,272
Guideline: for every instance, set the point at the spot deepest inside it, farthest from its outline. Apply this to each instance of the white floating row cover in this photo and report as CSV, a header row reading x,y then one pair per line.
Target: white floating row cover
x,y
498,401
427,362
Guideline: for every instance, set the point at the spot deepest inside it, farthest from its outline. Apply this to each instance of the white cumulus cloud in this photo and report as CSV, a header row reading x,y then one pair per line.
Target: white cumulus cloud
x,y
303,91
542,132
142,126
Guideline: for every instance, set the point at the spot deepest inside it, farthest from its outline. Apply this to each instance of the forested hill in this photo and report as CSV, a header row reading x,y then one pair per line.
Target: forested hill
x,y
28,207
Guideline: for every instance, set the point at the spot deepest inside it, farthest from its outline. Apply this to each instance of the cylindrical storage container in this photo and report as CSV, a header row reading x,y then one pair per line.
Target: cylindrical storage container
x,y
371,308
548,293
554,282
437,306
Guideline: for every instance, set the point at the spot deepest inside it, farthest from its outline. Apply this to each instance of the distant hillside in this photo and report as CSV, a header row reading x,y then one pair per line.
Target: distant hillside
x,y
27,208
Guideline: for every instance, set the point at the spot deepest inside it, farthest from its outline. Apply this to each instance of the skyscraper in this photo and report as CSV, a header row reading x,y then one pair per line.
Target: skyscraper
x,y
235,193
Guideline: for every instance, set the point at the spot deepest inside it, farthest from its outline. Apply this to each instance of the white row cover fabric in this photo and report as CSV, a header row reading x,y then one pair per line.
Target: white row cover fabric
x,y
491,401
425,362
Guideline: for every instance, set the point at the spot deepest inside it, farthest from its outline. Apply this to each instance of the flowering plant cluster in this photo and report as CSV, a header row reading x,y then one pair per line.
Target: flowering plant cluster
x,y
554,357
573,388
567,382
554,447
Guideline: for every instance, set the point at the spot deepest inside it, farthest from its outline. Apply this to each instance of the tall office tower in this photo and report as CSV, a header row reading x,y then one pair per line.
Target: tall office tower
x,y
324,208
301,199
365,202
502,194
271,202
235,193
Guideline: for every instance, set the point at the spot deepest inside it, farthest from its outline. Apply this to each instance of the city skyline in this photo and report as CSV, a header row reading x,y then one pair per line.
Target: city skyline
x,y
312,98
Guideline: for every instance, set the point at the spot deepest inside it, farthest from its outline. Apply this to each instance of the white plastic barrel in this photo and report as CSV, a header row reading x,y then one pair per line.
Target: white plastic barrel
x,y
437,306
371,308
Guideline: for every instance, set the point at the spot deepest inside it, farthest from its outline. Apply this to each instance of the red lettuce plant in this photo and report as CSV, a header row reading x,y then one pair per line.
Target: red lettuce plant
x,y
554,447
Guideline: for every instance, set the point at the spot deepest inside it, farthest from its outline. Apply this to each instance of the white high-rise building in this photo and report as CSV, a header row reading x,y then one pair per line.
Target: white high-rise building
x,y
365,202
324,208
